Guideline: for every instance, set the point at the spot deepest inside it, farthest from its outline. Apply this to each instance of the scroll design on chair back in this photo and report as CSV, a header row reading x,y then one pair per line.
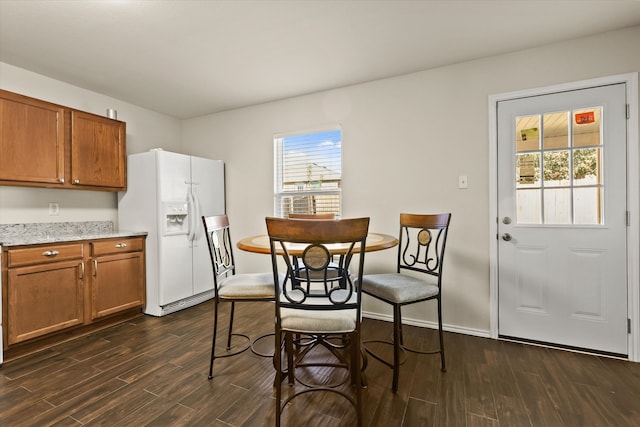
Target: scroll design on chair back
x,y
221,253
425,254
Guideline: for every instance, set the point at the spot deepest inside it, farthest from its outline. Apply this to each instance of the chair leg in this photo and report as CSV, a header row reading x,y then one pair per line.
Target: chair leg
x,y
364,362
277,354
233,309
397,334
400,326
353,363
356,369
215,333
443,367
288,345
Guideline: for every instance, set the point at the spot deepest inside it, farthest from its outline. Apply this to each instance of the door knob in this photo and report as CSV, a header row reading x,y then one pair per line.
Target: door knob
x,y
506,220
506,237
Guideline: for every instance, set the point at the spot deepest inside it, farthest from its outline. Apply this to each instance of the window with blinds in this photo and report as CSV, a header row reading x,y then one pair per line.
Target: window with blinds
x,y
308,173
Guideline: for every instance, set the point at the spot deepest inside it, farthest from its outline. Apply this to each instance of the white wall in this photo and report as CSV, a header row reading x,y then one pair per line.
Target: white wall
x,y
145,129
405,142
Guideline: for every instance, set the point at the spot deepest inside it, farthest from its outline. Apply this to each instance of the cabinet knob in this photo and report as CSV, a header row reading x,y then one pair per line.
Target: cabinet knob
x,y
76,181
121,245
50,253
61,180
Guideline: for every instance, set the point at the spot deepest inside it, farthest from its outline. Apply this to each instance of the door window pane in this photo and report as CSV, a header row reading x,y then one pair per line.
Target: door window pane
x,y
586,127
556,168
587,204
557,206
527,133
527,170
528,206
556,130
586,166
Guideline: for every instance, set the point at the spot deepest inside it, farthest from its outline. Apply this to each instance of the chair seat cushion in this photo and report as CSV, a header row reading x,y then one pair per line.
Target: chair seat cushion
x,y
399,288
318,321
248,285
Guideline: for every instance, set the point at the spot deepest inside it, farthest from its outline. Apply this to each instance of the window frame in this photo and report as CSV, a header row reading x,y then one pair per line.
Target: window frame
x,y
279,175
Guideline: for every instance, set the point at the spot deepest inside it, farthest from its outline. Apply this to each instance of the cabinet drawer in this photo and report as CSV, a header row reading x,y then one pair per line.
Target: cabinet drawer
x,y
115,246
44,254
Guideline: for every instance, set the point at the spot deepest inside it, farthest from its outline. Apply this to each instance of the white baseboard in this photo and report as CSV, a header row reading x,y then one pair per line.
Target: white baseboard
x,y
427,324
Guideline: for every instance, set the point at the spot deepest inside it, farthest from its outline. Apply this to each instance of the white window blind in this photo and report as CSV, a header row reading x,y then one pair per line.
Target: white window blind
x,y
308,173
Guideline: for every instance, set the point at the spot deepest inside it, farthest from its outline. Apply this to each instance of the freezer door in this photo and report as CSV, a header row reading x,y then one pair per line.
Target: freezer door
x,y
174,175
207,177
208,184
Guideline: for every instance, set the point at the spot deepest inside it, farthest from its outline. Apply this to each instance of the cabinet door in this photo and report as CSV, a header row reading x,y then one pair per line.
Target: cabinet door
x,y
31,140
98,151
44,298
117,283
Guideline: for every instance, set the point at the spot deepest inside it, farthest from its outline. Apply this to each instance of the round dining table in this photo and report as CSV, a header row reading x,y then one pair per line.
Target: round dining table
x,y
260,244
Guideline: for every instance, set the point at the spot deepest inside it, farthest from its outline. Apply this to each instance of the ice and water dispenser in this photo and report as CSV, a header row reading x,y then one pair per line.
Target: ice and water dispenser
x,y
175,217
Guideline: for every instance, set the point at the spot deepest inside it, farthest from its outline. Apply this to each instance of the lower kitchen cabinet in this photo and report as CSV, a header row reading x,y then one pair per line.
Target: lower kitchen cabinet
x,y
43,299
118,269
56,287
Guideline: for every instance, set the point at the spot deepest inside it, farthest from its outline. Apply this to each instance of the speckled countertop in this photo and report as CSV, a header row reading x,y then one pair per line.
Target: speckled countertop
x,y
37,233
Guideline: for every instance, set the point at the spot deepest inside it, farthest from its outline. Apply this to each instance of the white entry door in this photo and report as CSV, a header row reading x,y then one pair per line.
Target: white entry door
x,y
562,218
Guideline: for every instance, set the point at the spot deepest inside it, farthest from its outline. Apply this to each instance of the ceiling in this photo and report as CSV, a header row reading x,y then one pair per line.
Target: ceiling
x,y
190,58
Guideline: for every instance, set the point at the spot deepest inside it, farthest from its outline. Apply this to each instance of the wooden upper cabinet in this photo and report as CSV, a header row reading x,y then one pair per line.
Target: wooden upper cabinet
x,y
48,145
98,153
31,140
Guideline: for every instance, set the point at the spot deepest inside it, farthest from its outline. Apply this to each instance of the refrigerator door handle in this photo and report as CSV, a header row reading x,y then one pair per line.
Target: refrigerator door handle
x,y
191,214
196,220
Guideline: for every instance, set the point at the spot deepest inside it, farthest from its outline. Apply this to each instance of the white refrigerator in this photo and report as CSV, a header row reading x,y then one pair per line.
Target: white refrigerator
x,y
167,193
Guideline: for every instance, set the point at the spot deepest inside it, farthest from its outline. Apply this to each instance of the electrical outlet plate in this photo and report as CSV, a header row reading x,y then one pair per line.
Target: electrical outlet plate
x,y
54,209
462,181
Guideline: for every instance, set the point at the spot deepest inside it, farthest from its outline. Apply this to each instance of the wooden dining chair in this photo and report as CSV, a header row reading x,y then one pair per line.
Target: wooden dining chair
x,y
418,278
230,286
318,306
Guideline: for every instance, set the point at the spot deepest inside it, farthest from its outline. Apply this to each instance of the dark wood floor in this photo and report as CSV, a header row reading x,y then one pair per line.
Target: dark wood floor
x,y
153,372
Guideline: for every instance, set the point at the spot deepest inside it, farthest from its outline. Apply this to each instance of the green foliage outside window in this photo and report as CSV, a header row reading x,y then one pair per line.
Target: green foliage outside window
x,y
585,163
556,165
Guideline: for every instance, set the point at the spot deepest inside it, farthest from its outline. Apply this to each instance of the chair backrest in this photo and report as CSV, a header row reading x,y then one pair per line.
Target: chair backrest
x,y
422,242
307,246
312,216
220,248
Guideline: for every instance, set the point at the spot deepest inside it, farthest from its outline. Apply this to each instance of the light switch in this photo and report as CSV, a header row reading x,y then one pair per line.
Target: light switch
x,y
462,181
